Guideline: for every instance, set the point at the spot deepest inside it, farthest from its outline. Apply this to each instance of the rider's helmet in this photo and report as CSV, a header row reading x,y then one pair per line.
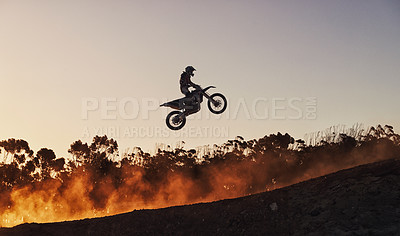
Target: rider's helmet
x,y
189,70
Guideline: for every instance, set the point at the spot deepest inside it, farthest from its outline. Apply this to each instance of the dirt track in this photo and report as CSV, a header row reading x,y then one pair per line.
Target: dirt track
x,y
364,200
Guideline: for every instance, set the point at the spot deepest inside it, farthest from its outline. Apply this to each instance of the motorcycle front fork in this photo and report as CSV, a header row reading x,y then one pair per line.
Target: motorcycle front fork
x,y
209,98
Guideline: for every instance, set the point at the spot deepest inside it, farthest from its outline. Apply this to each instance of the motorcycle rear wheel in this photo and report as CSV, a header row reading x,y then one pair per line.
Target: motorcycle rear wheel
x,y
175,120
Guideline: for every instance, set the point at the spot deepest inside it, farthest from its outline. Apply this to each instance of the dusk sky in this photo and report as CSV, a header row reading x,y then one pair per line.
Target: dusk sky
x,y
264,56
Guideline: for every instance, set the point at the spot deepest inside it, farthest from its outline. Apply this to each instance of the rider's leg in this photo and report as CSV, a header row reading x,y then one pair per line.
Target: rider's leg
x,y
188,96
185,90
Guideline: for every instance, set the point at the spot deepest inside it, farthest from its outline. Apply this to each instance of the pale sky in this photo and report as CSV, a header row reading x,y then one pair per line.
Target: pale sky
x,y
56,54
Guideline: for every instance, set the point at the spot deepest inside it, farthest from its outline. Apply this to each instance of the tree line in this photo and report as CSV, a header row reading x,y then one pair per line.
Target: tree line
x,y
235,168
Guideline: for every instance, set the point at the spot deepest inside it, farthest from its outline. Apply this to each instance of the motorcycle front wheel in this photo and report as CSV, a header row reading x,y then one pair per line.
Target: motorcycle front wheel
x,y
217,103
176,120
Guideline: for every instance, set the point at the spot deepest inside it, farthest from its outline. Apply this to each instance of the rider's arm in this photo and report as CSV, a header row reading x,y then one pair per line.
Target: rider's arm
x,y
190,83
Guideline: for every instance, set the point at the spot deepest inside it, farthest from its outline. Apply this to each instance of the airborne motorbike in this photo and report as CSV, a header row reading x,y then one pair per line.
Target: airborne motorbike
x,y
189,105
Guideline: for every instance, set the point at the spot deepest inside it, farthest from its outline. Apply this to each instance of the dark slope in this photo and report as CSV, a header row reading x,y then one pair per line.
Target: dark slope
x,y
364,200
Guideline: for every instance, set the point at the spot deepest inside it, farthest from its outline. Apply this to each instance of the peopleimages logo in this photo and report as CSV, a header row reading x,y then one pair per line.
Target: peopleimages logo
x,y
261,108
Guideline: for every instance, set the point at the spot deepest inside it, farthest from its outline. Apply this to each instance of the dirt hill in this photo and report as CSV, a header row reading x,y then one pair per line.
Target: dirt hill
x,y
364,200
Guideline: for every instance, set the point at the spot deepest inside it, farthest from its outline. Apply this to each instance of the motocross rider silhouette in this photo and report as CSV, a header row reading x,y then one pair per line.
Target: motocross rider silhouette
x,y
186,83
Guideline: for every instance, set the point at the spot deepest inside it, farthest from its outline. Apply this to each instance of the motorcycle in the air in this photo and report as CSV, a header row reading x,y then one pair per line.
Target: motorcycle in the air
x,y
189,105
